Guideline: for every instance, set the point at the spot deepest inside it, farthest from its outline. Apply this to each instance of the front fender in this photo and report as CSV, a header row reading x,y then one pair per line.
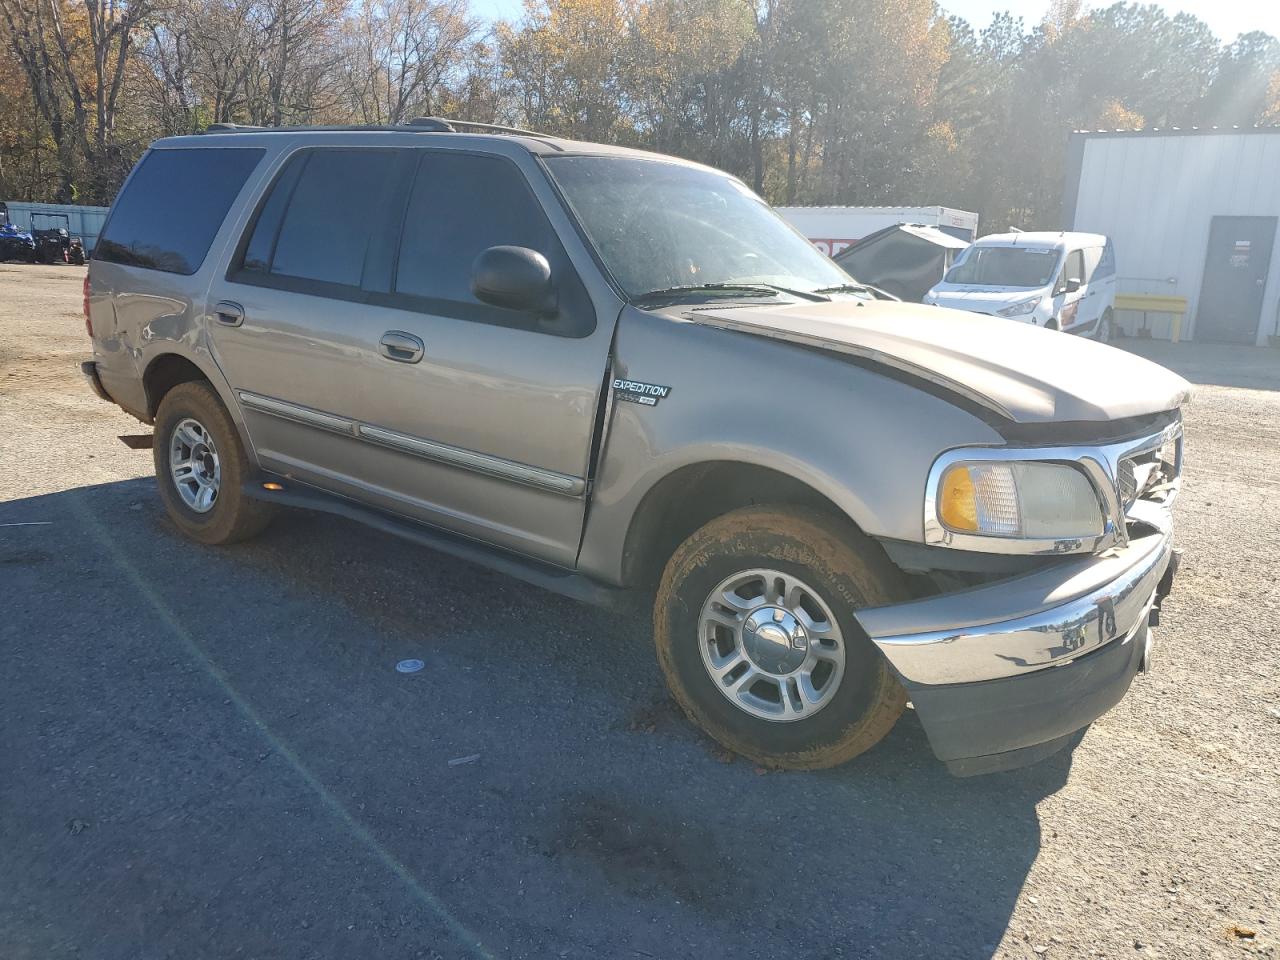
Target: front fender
x,y
863,439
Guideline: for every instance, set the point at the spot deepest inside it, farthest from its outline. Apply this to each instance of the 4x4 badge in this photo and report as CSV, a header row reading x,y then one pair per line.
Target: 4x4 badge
x,y
634,391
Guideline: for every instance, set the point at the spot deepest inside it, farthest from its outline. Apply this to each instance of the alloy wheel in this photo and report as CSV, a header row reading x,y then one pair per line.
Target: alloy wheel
x,y
194,465
771,645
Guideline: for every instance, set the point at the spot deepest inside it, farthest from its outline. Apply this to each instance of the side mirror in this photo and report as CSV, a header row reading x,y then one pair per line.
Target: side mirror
x,y
516,278
1072,286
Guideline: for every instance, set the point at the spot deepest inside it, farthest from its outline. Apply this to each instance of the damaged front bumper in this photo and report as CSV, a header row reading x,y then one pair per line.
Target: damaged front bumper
x,y
1003,675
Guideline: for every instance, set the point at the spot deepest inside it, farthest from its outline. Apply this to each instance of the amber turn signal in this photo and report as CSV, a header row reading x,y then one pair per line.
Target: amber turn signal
x,y
958,506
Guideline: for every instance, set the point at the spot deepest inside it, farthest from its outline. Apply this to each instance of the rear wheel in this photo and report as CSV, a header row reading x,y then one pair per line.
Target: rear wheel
x,y
755,634
201,467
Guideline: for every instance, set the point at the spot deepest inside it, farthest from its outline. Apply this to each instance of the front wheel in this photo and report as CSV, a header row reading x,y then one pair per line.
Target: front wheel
x,y
1106,327
201,467
756,637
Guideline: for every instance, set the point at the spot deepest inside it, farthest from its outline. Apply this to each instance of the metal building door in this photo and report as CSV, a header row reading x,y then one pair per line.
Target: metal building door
x,y
1235,278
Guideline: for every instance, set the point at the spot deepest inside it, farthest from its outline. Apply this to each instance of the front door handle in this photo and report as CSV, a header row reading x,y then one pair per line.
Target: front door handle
x,y
229,313
401,347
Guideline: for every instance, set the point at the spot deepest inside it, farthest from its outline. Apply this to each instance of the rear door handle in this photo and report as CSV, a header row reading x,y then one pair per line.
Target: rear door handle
x,y
401,347
229,313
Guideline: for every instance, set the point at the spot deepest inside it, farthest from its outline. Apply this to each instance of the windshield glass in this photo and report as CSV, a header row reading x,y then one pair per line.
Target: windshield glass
x,y
659,226
1006,267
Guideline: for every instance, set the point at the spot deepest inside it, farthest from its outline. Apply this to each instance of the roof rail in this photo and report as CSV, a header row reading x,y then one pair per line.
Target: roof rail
x,y
436,124
330,128
417,124
452,126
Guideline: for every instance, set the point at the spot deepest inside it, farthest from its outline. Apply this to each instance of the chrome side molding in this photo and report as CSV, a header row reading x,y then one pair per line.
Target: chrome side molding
x,y
432,450
471,460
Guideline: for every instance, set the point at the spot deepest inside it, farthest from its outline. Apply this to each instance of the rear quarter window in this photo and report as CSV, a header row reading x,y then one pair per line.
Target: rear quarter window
x,y
170,210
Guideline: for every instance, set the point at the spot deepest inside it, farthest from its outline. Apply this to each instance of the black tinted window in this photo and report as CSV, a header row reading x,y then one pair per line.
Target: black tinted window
x,y
257,254
172,207
331,215
460,206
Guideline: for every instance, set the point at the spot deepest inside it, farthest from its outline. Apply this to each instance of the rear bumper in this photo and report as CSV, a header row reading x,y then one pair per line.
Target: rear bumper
x,y
1003,675
89,369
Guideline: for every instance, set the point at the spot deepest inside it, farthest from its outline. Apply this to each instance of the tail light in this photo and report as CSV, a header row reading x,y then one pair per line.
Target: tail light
x,y
88,320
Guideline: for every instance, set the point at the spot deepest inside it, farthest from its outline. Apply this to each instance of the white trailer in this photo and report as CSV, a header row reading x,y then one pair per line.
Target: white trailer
x,y
831,229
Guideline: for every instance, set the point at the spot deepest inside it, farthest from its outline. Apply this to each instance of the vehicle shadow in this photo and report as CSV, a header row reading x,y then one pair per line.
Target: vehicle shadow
x,y
1219,364
231,725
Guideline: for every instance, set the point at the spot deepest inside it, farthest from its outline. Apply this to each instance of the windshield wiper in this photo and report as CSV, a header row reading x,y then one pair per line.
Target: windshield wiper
x,y
847,288
755,289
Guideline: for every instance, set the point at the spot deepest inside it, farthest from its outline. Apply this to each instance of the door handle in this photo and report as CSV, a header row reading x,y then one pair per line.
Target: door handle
x,y
401,347
229,313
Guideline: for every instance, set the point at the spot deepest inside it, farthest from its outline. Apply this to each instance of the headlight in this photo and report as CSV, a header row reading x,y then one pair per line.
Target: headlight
x,y
1020,309
1018,499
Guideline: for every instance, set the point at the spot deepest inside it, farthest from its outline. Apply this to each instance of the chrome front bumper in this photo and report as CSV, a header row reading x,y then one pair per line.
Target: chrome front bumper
x,y
1003,674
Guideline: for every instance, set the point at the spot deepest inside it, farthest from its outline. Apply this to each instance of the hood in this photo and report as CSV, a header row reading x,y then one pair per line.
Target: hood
x,y
1024,373
982,299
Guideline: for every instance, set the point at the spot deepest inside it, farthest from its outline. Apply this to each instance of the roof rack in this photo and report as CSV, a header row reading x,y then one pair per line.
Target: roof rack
x,y
416,124
451,126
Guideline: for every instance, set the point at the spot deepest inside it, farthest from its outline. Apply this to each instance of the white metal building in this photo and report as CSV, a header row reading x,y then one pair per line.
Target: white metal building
x,y
831,229
1193,215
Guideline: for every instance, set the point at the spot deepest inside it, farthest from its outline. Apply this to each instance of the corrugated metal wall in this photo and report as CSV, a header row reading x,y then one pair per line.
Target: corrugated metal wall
x,y
1155,196
86,222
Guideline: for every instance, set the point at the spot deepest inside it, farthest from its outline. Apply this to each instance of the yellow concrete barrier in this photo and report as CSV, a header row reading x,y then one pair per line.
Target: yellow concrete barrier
x,y
1145,303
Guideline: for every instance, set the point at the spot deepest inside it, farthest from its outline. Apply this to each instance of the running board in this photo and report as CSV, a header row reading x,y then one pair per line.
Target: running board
x,y
289,493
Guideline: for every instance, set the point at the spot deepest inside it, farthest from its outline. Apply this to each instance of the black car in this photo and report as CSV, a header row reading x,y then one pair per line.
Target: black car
x,y
905,260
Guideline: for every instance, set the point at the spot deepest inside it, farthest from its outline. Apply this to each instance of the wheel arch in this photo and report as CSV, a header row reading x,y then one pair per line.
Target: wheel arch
x,y
168,368
692,495
164,372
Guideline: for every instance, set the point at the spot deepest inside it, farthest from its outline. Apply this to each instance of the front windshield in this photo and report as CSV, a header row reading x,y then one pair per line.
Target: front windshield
x,y
1006,267
659,226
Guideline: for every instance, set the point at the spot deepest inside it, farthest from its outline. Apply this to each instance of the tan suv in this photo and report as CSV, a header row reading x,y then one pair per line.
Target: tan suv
x,y
615,374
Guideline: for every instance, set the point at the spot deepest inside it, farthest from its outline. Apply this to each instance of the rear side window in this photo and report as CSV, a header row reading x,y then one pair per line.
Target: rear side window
x,y
317,222
1091,257
171,209
1107,265
257,255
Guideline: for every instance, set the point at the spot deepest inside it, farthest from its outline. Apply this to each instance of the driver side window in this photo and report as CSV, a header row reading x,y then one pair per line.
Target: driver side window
x,y
460,205
1075,266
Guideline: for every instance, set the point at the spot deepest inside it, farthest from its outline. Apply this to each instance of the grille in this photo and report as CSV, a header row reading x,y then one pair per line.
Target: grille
x,y
1128,483
1149,475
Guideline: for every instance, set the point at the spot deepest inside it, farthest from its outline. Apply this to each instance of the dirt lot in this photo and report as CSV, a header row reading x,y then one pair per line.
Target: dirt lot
x,y
208,753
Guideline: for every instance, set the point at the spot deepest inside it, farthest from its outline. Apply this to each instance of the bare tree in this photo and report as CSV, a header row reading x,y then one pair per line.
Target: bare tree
x,y
401,56
76,55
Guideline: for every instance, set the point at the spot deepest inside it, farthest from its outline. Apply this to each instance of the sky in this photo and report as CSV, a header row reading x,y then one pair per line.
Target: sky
x,y
1227,18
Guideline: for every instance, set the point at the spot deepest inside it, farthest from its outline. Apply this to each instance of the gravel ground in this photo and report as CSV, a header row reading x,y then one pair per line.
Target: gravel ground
x,y
208,753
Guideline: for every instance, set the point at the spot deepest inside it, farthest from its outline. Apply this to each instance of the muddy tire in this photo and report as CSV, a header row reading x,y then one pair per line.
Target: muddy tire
x,y
756,638
201,467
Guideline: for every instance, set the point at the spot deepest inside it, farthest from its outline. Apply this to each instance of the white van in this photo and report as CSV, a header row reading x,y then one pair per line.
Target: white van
x,y
1064,281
